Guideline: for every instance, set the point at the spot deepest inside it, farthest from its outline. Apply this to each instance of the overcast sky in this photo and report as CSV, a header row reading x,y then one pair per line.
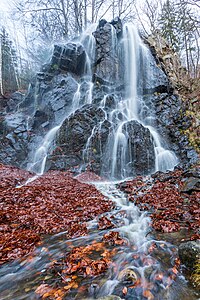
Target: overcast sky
x,y
5,4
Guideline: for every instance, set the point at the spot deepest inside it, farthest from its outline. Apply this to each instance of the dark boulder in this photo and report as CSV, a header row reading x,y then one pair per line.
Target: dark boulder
x,y
58,96
189,253
14,139
68,58
132,155
73,136
156,80
191,184
106,64
14,101
117,23
140,145
53,99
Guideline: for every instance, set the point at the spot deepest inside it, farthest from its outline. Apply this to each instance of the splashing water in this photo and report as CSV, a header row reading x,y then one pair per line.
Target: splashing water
x,y
130,110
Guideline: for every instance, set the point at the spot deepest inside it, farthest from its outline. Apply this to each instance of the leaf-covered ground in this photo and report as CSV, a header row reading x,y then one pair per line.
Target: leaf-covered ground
x,y
58,202
52,203
172,199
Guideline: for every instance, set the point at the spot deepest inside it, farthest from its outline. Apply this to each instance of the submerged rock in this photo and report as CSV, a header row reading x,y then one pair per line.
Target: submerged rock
x,y
128,275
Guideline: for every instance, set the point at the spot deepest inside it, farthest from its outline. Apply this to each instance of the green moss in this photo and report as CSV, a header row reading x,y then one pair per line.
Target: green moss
x,y
196,274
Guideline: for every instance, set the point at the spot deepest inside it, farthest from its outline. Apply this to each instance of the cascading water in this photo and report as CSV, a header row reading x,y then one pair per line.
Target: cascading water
x,y
130,109
130,116
131,44
38,163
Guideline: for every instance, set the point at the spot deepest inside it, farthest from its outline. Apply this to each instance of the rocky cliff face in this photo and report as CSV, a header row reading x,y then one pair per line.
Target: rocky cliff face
x,y
82,90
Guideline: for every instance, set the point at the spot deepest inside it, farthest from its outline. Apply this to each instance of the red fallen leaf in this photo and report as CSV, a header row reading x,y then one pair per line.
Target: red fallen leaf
x,y
105,223
88,271
174,270
147,294
152,247
43,289
125,290
158,277
177,262
46,205
195,237
71,285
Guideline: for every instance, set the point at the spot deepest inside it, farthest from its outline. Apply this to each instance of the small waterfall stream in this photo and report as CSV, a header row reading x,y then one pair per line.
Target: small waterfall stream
x,y
134,264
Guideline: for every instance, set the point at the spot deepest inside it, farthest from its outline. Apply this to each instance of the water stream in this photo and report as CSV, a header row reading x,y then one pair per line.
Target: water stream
x,y
141,260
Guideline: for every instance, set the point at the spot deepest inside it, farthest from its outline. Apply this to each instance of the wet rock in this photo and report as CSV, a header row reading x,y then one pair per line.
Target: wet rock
x,y
68,58
14,101
158,81
14,139
162,176
193,172
128,275
170,121
117,23
72,139
51,99
41,119
189,252
106,62
57,98
142,156
191,184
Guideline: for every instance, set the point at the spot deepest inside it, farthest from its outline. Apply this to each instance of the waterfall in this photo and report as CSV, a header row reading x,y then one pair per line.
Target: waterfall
x,y
88,41
133,141
130,109
131,43
39,161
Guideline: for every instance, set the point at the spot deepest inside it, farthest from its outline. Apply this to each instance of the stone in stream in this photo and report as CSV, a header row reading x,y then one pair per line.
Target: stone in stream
x,y
128,275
